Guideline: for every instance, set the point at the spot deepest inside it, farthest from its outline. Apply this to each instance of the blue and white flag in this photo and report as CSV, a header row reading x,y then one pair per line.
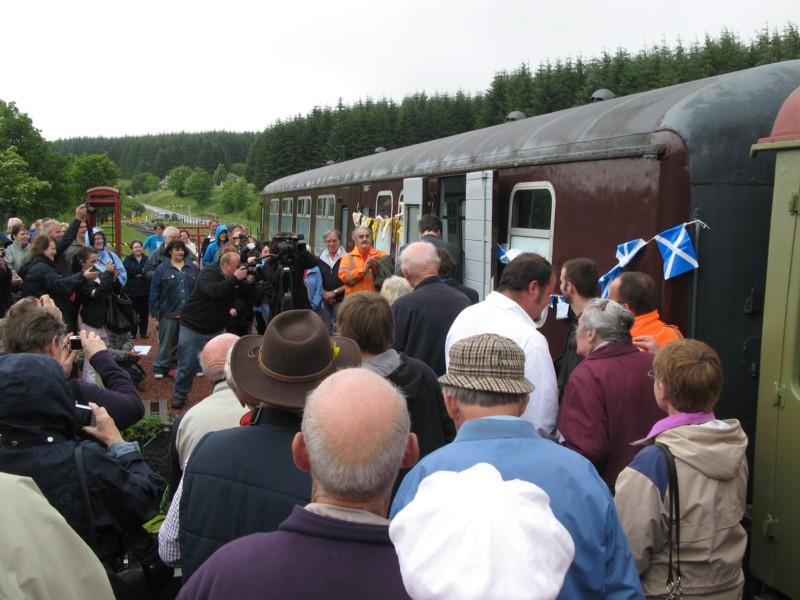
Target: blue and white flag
x,y
605,281
502,256
627,250
677,251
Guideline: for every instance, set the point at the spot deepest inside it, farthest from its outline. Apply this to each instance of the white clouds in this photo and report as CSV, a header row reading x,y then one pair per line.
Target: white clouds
x,y
111,68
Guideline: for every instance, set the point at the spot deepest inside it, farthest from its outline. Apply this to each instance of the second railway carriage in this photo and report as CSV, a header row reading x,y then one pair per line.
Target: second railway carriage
x,y
580,181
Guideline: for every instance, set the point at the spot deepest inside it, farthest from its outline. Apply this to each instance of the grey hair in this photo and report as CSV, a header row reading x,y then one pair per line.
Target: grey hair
x,y
332,232
168,231
216,372
482,398
373,470
610,320
359,228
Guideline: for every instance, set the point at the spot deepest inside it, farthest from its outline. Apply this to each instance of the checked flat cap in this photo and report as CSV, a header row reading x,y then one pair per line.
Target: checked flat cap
x,y
487,363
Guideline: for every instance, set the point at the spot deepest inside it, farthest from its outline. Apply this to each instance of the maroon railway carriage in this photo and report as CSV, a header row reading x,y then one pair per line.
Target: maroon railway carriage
x,y
580,181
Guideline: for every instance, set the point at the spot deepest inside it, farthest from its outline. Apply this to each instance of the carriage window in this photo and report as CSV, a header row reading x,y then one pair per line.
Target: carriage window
x,y
274,212
383,208
304,217
286,214
531,218
326,206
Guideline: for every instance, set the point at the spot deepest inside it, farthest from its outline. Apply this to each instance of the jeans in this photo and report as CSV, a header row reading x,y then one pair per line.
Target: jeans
x,y
329,316
190,344
167,343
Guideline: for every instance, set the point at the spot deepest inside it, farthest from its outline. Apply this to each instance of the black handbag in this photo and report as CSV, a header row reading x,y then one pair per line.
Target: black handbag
x,y
139,571
674,590
120,315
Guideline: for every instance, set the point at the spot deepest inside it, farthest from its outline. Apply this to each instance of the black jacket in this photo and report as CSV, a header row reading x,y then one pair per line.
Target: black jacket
x,y
38,440
40,276
330,277
423,318
473,296
94,297
237,482
138,285
208,308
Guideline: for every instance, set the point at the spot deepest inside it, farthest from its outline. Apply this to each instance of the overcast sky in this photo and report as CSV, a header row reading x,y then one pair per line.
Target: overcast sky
x,y
117,67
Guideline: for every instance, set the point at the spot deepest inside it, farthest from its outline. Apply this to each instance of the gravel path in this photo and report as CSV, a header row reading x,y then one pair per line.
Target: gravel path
x,y
154,390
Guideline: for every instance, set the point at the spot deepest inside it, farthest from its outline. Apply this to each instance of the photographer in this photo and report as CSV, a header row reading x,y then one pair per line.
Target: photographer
x,y
35,326
283,271
205,315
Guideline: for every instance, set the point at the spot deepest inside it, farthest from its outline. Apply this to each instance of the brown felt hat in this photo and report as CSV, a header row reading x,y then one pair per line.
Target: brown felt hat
x,y
487,363
292,357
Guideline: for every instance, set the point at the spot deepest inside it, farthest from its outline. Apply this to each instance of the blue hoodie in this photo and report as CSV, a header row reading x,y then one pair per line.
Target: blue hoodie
x,y
107,254
212,252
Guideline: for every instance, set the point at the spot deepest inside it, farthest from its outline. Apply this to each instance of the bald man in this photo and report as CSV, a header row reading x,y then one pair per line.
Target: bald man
x,y
340,541
423,317
220,410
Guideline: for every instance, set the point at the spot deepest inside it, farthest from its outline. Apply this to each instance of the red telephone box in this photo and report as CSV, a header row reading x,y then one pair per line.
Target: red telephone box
x,y
106,214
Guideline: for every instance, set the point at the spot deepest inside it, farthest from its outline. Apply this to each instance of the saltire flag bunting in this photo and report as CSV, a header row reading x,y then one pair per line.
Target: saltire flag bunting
x,y
677,250
506,256
605,281
627,250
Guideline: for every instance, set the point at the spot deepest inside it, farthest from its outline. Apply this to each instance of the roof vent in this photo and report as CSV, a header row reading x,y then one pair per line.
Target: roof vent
x,y
330,162
602,94
515,115
380,149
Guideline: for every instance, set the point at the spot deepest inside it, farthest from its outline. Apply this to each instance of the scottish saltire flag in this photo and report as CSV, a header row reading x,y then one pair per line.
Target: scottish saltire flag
x,y
502,255
605,281
627,250
677,251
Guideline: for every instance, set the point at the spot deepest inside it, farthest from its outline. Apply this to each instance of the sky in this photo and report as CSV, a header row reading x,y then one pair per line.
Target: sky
x,y
118,67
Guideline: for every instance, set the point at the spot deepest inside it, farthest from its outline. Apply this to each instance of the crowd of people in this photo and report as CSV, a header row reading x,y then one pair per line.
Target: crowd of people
x,y
374,429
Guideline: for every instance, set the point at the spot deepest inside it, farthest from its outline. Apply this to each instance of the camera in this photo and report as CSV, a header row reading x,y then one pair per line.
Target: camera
x,y
287,248
91,208
75,342
84,415
252,270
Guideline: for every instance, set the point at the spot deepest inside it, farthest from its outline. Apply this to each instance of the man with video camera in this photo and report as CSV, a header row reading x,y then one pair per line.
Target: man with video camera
x,y
281,276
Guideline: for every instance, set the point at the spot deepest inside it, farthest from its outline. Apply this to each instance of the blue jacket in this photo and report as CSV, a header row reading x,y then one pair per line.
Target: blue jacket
x,y
313,281
152,242
170,288
107,254
212,252
603,566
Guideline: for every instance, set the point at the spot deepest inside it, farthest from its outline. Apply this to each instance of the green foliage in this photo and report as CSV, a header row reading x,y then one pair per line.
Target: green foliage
x,y
18,188
91,170
219,174
238,169
177,180
160,153
237,194
141,183
144,430
198,185
41,163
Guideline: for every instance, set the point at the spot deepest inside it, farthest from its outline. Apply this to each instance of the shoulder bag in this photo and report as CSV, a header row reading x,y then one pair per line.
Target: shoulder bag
x,y
674,590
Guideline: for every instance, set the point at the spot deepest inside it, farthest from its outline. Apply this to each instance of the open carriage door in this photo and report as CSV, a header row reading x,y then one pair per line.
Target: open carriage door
x,y
412,210
478,233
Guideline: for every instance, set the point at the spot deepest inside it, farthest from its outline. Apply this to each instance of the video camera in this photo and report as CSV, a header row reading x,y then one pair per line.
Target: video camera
x,y
288,247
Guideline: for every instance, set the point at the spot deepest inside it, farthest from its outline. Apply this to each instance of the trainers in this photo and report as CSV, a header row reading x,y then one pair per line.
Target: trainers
x,y
198,374
158,375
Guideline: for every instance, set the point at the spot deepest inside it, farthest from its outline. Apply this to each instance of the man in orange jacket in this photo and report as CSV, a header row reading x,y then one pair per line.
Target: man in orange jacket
x,y
358,268
636,291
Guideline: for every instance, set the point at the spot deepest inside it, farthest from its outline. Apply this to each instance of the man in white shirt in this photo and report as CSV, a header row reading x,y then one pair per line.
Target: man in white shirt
x,y
512,311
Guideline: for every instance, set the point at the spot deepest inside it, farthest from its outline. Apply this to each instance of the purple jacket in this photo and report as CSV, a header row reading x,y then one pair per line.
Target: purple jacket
x,y
308,558
119,397
609,403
